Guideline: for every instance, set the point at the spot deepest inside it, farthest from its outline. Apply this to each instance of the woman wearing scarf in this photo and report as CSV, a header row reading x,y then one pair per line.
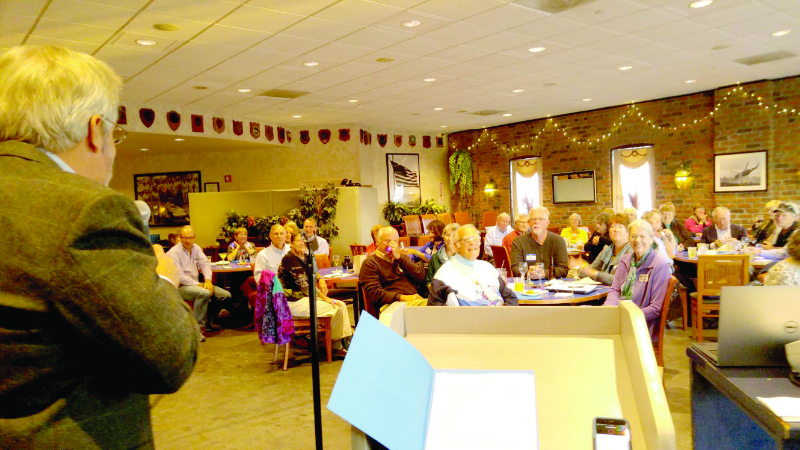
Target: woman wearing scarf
x,y
605,265
445,252
642,276
293,278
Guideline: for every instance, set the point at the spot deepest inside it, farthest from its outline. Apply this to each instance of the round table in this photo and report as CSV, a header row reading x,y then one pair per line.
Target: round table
x,y
550,298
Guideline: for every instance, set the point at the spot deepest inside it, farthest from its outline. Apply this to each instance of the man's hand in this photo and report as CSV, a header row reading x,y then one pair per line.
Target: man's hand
x,y
209,286
596,240
166,265
395,252
323,286
409,298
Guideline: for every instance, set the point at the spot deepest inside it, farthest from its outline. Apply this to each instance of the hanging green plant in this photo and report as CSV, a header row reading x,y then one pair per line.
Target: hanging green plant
x,y
461,172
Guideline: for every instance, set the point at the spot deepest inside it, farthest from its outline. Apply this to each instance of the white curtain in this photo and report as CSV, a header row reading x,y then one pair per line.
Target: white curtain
x,y
526,186
633,177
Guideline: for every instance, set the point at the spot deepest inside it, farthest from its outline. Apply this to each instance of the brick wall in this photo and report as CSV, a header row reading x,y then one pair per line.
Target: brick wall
x,y
738,124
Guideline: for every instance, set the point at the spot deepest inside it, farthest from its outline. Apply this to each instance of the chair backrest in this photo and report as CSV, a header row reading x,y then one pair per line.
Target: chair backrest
x,y
358,249
461,218
446,218
716,271
659,346
422,240
489,219
322,261
405,240
212,253
501,258
413,225
426,220
556,230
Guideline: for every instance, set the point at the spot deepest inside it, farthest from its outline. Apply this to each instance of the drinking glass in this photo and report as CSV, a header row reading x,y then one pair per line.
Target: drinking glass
x,y
538,273
523,269
336,260
346,263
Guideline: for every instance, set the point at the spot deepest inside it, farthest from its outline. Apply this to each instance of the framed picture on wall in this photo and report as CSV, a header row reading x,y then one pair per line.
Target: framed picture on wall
x,y
211,187
402,176
168,195
574,187
740,172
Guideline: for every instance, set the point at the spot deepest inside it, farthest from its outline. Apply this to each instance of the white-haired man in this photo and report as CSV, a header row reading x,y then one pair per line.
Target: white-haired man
x,y
92,321
270,258
465,280
540,246
495,234
723,232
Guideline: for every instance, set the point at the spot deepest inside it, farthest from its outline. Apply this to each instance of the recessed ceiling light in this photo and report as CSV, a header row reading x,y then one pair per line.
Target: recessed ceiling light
x,y
297,116
780,33
200,87
353,100
507,115
442,126
243,90
586,100
536,49
625,67
411,23
144,149
690,81
415,114
517,91
384,60
166,27
700,3
429,79
549,84
311,64
146,42
438,108
180,139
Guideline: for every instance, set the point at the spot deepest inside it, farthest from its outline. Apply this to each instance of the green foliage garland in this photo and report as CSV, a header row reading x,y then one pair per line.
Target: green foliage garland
x,y
461,172
429,206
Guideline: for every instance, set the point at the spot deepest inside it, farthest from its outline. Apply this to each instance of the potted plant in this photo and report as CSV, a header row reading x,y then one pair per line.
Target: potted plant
x,y
461,172
321,205
393,212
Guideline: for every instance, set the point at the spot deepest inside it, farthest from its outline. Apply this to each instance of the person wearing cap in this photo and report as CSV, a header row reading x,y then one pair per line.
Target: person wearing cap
x,y
785,223
762,229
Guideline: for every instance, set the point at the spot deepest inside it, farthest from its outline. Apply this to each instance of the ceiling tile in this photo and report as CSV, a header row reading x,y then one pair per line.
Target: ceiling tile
x,y
424,66
736,13
645,51
459,32
85,47
327,30
134,5
760,28
11,39
198,10
88,13
395,23
304,7
456,9
12,23
549,26
638,21
354,69
569,55
337,52
501,41
212,52
55,29
290,44
705,39
143,24
598,11
260,19
583,36
373,38
671,30
505,17
236,37
357,12
419,46
616,44
127,58
460,53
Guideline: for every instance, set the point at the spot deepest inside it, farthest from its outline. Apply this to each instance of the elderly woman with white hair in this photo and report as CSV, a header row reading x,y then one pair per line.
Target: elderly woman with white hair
x,y
575,236
642,276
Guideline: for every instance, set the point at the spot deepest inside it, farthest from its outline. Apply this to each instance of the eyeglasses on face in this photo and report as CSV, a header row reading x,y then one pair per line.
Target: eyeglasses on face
x,y
470,240
118,134
538,219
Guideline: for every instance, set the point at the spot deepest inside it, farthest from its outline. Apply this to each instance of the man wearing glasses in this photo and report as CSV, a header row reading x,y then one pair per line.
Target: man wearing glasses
x,y
540,246
90,318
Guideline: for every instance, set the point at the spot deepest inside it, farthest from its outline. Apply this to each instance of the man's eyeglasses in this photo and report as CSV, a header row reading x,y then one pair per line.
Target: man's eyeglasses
x,y
537,219
470,240
118,134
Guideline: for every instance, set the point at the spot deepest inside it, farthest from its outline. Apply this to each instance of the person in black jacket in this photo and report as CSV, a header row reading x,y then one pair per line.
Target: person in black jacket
x,y
599,238
682,235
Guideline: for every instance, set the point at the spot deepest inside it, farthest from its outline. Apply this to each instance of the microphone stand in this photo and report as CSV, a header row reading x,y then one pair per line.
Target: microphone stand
x,y
312,305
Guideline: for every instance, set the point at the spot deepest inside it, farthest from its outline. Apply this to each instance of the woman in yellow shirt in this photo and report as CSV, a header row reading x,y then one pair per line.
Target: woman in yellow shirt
x,y
575,236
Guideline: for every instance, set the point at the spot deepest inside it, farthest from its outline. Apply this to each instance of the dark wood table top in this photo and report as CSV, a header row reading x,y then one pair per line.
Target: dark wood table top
x,y
231,267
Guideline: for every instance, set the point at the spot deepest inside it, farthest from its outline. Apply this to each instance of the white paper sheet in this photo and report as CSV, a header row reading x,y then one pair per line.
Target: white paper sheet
x,y
481,410
787,408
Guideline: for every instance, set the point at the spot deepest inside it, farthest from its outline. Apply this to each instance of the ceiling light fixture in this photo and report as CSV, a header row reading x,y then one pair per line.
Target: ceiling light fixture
x,y
780,33
442,126
507,115
179,139
700,3
311,64
586,100
536,49
384,60
429,79
517,91
200,87
690,81
243,90
438,108
297,116
353,100
144,149
625,67
411,23
146,42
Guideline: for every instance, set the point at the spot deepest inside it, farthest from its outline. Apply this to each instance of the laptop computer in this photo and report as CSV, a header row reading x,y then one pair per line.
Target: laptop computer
x,y
755,322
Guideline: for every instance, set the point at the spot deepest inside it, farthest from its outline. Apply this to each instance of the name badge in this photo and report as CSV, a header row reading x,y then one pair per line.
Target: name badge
x,y
530,257
644,277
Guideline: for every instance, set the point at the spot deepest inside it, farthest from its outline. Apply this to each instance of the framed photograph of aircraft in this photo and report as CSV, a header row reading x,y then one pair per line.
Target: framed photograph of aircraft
x,y
740,172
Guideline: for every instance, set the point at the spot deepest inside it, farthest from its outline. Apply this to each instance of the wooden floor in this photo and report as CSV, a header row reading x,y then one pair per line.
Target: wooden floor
x,y
238,399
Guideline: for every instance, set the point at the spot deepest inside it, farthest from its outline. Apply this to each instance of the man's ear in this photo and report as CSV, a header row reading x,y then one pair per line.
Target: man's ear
x,y
96,135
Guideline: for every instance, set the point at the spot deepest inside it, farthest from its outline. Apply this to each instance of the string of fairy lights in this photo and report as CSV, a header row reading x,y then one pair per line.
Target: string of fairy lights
x,y
631,111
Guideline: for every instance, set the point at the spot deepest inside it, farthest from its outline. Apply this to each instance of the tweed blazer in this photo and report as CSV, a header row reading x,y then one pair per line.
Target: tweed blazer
x,y
710,233
87,327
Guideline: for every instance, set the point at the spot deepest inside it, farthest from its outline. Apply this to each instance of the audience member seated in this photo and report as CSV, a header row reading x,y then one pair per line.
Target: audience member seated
x,y
291,228
389,276
495,234
631,213
435,229
445,252
605,265
784,224
549,248
521,226
466,281
609,211
271,256
374,233
318,245
174,239
682,236
191,263
762,229
599,238
723,232
240,249
664,239
575,236
642,276
698,221
293,275
787,272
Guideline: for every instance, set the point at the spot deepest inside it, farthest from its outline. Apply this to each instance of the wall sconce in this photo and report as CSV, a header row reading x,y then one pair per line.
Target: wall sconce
x,y
491,188
684,178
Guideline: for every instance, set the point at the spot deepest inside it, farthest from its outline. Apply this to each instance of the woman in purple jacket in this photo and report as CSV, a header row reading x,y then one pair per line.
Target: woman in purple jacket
x,y
642,276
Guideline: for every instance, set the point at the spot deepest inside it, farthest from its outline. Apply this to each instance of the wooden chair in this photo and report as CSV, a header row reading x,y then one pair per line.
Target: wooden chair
x,y
405,241
422,240
682,293
303,327
358,249
461,218
426,220
212,253
323,262
501,258
658,346
445,218
489,219
714,272
412,225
